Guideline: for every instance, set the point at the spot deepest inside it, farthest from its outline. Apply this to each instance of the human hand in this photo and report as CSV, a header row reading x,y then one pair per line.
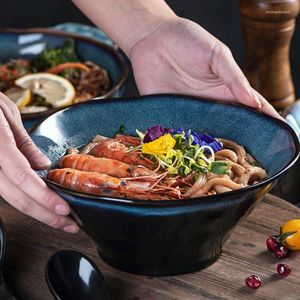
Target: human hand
x,y
181,57
170,54
20,186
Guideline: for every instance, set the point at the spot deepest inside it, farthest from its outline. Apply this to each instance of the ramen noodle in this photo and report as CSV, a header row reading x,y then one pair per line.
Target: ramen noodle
x,y
160,164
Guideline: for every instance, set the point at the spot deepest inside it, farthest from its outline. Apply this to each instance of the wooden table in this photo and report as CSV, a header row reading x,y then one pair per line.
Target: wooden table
x,y
31,243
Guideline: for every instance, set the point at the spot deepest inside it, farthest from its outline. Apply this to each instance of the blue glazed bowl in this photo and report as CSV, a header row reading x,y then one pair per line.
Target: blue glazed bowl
x,y
166,237
28,43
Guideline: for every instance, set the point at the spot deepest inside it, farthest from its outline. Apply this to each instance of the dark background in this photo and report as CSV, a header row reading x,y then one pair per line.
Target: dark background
x,y
219,17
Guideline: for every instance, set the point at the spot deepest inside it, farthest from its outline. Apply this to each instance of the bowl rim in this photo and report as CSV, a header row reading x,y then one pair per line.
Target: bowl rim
x,y
113,50
176,202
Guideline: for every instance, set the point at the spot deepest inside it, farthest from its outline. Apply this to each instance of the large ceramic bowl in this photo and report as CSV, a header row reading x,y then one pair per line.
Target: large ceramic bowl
x,y
166,237
28,43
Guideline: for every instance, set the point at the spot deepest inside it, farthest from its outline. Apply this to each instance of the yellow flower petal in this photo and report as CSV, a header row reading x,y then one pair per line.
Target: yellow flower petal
x,y
159,146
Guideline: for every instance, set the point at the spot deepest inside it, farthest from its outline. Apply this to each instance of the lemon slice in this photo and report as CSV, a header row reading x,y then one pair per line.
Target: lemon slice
x,y
33,109
21,97
57,91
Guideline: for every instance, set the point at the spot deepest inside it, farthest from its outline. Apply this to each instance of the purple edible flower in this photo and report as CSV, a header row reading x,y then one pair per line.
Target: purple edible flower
x,y
180,130
201,139
204,139
155,132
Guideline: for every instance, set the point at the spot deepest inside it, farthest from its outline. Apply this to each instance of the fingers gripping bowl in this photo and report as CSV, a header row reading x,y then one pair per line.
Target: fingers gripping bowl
x,y
168,236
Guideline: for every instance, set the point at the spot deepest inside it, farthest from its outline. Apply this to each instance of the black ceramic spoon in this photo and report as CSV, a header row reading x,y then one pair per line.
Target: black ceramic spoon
x,y
72,275
5,293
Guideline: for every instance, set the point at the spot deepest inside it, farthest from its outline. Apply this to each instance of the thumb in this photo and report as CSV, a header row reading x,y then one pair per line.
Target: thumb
x,y
37,159
225,67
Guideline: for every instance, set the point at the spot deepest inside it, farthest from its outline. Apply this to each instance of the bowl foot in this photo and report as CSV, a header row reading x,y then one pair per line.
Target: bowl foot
x,y
158,271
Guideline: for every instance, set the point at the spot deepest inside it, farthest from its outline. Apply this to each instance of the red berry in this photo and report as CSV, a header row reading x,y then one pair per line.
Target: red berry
x,y
253,282
281,252
283,270
272,243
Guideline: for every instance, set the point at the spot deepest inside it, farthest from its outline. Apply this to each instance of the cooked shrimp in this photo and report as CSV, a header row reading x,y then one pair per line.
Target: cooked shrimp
x,y
102,165
128,140
113,149
124,139
94,183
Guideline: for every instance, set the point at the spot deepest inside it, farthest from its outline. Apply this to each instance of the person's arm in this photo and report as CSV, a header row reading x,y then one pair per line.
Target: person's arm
x,y
126,22
170,54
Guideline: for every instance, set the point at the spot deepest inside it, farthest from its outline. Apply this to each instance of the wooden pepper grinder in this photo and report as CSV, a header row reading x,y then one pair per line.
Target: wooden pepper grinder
x,y
268,27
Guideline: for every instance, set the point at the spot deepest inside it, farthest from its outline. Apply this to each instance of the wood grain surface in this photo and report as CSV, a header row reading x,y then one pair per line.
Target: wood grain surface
x,y
30,244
